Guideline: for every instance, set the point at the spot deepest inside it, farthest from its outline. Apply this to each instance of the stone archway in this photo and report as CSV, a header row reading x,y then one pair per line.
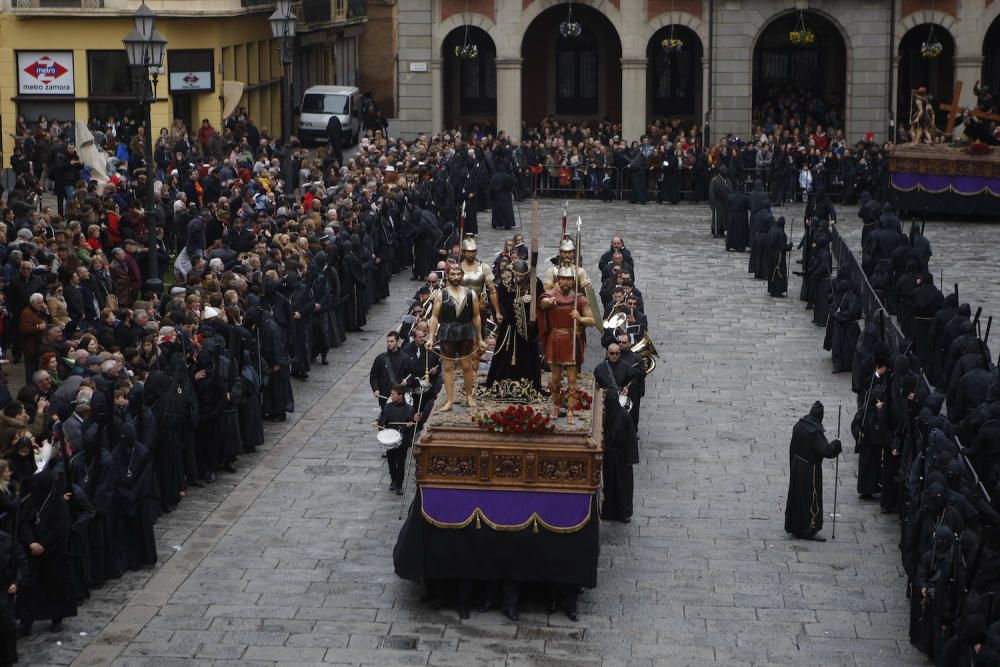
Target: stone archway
x,y
936,74
469,85
674,79
573,77
991,57
785,72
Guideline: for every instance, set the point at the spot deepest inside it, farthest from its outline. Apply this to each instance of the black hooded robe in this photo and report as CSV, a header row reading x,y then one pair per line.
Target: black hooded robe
x,y
353,282
276,367
777,259
46,520
160,392
638,169
135,503
759,266
738,237
718,197
621,446
845,328
91,471
16,572
502,185
809,446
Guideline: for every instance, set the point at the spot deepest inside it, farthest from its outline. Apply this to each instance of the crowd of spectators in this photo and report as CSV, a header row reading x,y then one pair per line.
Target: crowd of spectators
x,y
796,148
126,388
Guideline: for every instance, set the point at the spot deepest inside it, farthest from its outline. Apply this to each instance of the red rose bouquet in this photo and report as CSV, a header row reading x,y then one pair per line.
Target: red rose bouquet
x,y
518,419
583,401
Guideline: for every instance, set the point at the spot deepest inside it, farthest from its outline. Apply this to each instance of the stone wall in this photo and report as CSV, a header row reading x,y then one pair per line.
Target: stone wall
x,y
866,27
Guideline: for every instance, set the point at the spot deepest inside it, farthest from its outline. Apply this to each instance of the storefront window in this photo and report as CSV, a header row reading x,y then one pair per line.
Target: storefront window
x,y
109,73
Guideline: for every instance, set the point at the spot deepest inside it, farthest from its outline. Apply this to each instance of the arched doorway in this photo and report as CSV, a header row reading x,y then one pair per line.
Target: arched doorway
x,y
469,84
936,74
571,77
674,81
991,57
799,83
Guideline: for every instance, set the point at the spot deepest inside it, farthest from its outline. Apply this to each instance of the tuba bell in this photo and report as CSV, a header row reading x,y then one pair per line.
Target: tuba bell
x,y
646,351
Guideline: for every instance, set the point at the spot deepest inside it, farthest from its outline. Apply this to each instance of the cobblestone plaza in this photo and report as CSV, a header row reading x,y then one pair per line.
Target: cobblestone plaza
x,y
290,560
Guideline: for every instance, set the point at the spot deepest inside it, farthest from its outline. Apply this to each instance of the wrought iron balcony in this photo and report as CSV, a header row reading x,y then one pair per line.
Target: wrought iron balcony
x,y
58,4
316,11
357,10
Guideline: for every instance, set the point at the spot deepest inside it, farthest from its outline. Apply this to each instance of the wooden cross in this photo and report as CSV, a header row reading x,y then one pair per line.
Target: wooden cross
x,y
955,110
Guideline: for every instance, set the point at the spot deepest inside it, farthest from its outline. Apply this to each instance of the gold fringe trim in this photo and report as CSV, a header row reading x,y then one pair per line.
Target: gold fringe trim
x,y
477,515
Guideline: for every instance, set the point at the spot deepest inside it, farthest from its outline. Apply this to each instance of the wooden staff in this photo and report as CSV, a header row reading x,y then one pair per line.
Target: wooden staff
x,y
576,284
533,275
836,477
461,224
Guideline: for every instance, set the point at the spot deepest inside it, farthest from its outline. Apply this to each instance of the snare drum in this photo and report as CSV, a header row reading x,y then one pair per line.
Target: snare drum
x,y
389,438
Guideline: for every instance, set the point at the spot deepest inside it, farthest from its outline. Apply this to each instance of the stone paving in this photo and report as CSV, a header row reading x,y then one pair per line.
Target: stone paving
x,y
290,560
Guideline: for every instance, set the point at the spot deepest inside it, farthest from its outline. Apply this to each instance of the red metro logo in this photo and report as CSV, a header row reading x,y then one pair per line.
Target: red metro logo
x,y
191,79
45,70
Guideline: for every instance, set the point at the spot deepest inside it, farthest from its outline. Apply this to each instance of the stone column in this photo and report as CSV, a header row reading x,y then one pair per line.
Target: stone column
x,y
509,96
706,64
633,98
968,70
437,97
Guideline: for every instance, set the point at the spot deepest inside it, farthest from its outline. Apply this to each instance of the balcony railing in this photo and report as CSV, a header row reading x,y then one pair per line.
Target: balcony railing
x,y
59,4
316,11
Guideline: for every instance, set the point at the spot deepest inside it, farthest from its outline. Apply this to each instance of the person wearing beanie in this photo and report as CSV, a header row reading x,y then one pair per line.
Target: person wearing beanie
x,y
809,446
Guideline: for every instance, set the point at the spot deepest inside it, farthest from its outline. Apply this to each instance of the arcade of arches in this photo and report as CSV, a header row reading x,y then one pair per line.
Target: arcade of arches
x,y
530,71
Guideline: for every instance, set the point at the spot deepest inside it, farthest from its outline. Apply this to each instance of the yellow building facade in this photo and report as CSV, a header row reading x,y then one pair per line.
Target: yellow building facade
x,y
68,62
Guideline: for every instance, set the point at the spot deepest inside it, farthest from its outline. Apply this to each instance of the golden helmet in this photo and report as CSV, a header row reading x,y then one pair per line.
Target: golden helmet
x,y
566,272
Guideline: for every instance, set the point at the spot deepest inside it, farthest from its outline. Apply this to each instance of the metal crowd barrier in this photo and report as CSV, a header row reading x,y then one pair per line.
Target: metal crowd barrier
x,y
565,182
891,334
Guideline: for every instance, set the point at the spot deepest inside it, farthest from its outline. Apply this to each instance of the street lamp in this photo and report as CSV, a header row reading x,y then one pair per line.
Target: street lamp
x,y
145,48
283,27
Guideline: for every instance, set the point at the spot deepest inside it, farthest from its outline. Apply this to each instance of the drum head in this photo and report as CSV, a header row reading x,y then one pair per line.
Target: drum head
x,y
389,438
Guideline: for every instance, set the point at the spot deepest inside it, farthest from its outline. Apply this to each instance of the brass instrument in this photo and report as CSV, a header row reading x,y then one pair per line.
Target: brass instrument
x,y
646,351
616,321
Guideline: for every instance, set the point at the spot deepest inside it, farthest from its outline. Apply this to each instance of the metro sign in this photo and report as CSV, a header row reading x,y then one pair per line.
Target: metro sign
x,y
45,73
46,70
188,82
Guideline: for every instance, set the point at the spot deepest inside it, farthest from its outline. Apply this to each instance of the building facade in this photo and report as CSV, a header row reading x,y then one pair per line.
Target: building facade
x,y
64,59
864,58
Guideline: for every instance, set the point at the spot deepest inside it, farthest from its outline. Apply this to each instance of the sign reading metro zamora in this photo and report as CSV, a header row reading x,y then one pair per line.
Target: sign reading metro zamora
x,y
45,73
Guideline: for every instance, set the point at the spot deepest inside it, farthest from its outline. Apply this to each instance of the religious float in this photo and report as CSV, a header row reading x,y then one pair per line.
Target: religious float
x,y
505,494
940,177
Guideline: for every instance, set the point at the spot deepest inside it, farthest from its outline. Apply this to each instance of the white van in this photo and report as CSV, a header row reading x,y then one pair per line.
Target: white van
x,y
319,103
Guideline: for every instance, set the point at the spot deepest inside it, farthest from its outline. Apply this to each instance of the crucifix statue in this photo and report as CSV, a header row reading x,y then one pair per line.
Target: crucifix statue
x,y
954,110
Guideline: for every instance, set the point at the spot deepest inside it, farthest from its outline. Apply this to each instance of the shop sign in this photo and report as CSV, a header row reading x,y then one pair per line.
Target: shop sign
x,y
45,73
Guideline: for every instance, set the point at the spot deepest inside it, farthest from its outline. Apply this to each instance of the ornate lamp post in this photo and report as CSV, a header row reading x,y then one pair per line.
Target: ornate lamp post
x,y
145,48
283,27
